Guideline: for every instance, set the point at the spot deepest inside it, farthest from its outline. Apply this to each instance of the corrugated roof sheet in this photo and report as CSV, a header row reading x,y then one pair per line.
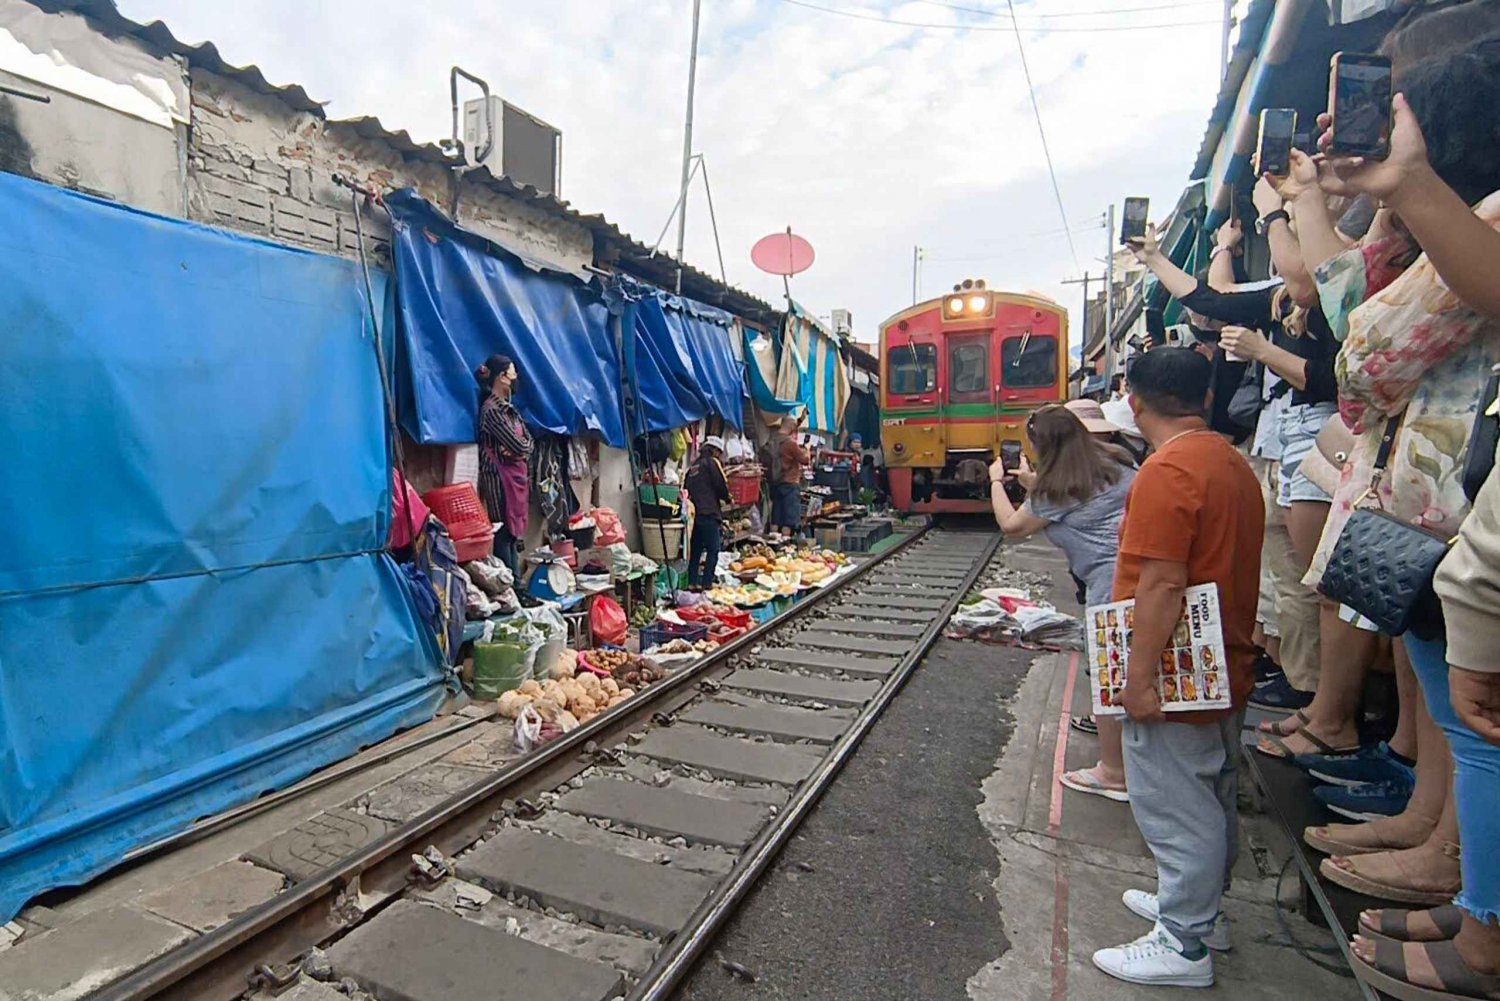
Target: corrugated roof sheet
x,y
634,256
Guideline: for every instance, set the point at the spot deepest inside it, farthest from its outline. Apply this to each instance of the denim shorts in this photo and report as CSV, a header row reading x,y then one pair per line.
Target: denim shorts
x,y
1298,433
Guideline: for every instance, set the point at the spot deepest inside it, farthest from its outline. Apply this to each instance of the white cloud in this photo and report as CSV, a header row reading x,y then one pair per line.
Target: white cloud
x,y
867,138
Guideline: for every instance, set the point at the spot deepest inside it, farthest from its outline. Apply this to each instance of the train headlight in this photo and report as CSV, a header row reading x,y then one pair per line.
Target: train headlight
x,y
977,303
956,305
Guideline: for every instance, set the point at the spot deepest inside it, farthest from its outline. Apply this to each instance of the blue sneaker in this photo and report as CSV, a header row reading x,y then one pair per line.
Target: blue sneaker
x,y
1371,764
1367,802
1278,695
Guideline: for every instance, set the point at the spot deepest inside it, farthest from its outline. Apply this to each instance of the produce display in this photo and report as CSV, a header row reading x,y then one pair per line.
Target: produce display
x,y
625,668
566,702
741,595
808,565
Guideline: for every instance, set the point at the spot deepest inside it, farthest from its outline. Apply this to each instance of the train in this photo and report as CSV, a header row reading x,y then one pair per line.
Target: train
x,y
959,375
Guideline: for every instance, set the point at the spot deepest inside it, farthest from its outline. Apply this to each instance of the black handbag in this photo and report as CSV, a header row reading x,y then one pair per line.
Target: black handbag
x,y
1484,439
1382,567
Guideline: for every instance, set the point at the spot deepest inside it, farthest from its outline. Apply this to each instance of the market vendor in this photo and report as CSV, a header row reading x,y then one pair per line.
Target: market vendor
x,y
504,449
708,489
786,491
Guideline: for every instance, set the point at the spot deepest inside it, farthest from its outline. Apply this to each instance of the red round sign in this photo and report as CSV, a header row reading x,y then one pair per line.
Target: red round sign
x,y
782,254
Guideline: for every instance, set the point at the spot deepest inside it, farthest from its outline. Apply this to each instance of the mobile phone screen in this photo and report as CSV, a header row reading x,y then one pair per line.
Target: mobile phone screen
x,y
1361,105
1010,454
1273,154
1133,224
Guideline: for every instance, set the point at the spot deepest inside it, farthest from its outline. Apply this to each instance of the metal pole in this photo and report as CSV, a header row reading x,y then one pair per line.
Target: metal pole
x,y
916,255
1109,292
687,144
1224,40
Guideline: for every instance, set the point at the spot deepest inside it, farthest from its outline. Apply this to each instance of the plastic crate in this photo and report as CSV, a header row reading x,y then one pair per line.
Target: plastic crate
x,y
475,547
661,632
744,488
761,614
460,510
859,539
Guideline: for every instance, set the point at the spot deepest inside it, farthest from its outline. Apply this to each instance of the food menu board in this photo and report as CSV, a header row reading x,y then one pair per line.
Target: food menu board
x,y
1194,673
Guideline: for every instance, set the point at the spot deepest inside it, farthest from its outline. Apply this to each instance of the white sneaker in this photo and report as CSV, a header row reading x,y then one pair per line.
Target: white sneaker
x,y
1156,960
1145,905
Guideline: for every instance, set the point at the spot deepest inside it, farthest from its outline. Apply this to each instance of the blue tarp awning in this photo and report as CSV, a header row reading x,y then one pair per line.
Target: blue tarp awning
x,y
685,368
460,299
194,603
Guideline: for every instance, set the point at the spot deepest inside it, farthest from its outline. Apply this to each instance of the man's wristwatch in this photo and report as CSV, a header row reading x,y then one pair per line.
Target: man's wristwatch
x,y
1263,224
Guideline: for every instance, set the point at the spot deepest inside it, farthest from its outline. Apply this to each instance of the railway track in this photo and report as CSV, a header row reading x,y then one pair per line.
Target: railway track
x,y
601,866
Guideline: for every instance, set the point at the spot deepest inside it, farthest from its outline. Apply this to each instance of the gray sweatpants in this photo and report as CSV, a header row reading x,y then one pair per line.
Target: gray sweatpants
x,y
1183,781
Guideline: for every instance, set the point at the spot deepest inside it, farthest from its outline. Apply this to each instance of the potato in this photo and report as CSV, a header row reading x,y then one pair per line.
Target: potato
x,y
530,687
625,693
610,686
585,705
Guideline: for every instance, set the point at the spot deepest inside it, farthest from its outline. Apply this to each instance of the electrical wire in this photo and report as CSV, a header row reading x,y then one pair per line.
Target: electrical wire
x,y
863,16
1074,13
1046,150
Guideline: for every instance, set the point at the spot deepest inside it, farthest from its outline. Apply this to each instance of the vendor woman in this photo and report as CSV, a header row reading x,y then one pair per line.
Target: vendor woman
x,y
504,448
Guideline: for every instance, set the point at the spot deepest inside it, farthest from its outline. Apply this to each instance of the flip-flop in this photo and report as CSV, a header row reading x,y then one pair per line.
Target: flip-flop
x,y
1275,747
1285,727
1085,781
1388,974
1322,839
1085,724
1394,923
1352,879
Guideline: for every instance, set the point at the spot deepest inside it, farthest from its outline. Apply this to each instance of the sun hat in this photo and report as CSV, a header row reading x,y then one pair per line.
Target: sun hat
x,y
1092,416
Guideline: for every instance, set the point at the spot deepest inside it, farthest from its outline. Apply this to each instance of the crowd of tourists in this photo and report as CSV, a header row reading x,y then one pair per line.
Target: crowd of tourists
x,y
1325,454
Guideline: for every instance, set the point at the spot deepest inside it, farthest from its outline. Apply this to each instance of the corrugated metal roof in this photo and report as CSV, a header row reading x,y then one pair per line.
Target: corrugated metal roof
x,y
1247,45
633,256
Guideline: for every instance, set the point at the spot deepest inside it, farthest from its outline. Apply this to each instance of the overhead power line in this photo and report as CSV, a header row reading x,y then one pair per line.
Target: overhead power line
x,y
866,16
1109,12
1037,111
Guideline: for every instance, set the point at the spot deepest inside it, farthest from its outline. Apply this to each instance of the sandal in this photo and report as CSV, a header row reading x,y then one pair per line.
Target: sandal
x,y
1331,839
1285,727
1085,781
1273,746
1394,924
1390,975
1085,724
1345,871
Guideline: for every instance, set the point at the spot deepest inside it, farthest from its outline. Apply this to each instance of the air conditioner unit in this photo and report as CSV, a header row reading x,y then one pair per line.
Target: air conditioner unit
x,y
526,149
843,322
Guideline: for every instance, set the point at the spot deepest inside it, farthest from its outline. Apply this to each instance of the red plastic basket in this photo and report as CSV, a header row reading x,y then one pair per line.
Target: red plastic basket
x,y
459,508
474,547
744,488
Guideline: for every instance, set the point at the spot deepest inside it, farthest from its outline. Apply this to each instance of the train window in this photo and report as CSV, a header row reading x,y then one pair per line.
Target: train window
x,y
1029,361
912,369
968,368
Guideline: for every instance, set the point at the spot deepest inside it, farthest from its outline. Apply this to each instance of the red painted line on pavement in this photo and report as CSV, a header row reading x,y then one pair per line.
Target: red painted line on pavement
x,y
1059,933
1059,955
1054,814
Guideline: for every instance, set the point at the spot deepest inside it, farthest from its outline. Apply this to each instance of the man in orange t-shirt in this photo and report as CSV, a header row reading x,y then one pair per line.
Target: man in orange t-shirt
x,y
1194,516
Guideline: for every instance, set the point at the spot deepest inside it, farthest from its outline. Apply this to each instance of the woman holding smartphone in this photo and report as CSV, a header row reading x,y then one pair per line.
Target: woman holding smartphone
x,y
1076,496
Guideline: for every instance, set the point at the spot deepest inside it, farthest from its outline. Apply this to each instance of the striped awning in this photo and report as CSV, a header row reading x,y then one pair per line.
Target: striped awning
x,y
812,371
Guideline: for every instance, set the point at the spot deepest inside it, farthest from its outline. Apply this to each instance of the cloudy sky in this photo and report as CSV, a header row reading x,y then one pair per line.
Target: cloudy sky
x,y
866,136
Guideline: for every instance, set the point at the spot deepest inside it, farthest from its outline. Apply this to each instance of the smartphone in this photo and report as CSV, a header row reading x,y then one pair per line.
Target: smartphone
x,y
1156,327
1273,149
1010,455
1359,99
1133,223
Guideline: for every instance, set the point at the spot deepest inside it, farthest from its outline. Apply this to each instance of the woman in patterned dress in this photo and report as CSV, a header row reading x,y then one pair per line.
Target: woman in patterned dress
x,y
504,448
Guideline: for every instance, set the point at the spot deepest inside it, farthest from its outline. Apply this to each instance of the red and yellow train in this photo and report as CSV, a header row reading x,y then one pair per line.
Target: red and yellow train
x,y
959,375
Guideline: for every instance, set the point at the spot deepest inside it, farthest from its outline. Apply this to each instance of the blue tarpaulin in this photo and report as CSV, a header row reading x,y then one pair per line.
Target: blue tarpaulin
x,y
194,605
460,299
685,368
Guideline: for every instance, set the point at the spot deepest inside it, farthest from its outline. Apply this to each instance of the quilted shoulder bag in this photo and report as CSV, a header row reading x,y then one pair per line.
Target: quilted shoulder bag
x,y
1382,567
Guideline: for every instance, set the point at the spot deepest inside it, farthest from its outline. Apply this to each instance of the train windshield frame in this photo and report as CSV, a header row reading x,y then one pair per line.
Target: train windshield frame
x,y
911,369
1029,362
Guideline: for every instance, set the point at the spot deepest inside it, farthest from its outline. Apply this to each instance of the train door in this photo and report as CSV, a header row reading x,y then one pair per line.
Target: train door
x,y
971,388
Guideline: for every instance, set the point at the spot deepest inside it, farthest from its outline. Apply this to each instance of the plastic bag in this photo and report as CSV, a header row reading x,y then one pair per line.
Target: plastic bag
x,y
548,619
607,620
679,445
500,665
608,529
489,575
619,560
528,733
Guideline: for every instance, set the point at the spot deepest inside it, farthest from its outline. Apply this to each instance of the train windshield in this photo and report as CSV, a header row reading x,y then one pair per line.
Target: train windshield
x,y
912,368
1029,362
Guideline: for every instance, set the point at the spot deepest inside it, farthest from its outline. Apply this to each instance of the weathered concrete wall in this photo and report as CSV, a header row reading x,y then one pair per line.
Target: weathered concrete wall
x,y
256,164
114,122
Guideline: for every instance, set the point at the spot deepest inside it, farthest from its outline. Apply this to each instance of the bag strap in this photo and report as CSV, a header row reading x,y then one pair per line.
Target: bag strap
x,y
1387,443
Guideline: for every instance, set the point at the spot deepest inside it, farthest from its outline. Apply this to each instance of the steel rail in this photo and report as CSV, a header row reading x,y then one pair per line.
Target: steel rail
x,y
682,953
217,966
